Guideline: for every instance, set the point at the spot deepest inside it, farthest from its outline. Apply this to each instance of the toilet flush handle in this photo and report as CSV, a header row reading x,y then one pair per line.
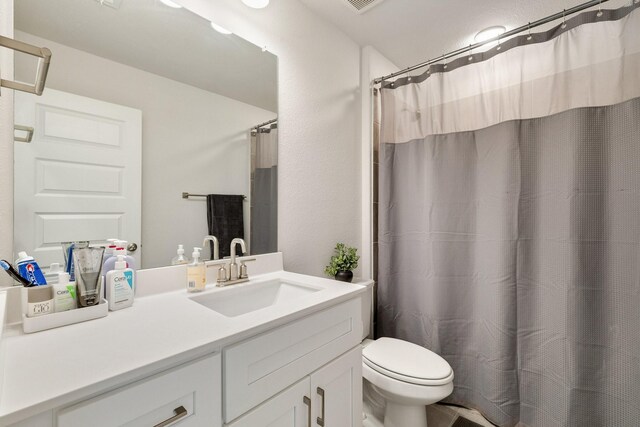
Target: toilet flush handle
x,y
320,419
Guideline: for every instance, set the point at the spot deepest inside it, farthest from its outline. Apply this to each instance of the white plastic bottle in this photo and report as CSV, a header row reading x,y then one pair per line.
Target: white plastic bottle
x,y
110,248
110,263
196,278
64,293
53,275
180,258
120,285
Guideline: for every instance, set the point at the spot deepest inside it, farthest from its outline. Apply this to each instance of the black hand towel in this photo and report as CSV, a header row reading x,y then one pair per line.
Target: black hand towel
x,y
225,218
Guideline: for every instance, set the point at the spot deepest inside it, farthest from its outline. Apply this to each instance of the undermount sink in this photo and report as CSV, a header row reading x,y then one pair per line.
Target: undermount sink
x,y
246,298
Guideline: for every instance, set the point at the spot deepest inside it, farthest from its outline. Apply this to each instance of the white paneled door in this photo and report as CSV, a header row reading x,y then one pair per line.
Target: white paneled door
x,y
79,178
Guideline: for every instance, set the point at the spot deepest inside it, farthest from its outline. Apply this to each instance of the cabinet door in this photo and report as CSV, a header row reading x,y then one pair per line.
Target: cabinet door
x,y
337,392
189,395
287,409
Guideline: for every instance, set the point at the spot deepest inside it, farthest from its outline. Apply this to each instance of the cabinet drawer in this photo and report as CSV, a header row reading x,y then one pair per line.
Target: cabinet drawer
x,y
260,367
196,387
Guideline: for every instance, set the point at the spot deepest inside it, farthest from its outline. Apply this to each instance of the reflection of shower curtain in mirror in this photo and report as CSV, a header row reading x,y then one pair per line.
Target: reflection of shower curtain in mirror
x,y
264,190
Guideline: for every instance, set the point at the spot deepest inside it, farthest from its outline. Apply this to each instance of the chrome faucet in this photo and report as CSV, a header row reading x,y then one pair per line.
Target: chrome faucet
x,y
231,274
216,248
233,267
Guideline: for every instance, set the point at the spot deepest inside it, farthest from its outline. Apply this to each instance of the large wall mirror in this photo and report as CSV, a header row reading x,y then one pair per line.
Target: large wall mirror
x,y
143,102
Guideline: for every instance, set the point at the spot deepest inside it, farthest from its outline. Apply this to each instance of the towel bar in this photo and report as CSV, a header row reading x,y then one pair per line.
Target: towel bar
x,y
43,65
187,195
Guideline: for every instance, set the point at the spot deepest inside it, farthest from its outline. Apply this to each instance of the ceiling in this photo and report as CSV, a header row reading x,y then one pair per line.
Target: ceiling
x,y
408,32
135,34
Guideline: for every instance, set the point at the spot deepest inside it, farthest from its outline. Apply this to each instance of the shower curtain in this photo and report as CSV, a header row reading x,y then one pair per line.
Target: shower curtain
x,y
264,190
509,222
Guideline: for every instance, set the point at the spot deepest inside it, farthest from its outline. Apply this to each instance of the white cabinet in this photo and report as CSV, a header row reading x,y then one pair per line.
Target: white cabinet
x,y
264,365
330,397
189,395
305,373
291,408
336,391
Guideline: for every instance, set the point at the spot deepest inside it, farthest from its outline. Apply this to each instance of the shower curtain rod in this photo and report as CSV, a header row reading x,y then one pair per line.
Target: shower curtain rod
x,y
264,124
513,32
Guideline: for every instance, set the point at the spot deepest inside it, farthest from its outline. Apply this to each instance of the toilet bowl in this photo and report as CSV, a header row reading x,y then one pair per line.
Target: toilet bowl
x,y
404,376
408,377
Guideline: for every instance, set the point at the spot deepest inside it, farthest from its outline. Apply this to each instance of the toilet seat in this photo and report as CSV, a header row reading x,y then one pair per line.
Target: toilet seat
x,y
407,362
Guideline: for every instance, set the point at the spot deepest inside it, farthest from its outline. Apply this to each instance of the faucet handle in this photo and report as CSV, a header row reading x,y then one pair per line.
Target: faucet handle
x,y
222,274
243,268
243,271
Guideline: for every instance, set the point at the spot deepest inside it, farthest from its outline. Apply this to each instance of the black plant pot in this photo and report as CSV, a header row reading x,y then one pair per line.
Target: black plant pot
x,y
344,276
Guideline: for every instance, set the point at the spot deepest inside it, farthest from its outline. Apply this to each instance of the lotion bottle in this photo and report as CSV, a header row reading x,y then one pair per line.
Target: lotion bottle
x,y
120,285
110,263
64,294
196,278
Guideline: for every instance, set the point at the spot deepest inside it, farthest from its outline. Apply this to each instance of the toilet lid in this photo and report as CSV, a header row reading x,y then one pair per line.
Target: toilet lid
x,y
407,362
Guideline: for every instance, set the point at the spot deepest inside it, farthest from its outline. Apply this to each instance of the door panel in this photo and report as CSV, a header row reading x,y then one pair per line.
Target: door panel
x,y
286,409
341,384
80,177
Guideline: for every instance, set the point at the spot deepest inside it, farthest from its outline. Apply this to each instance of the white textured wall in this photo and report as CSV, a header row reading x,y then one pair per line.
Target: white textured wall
x,y
374,65
6,142
319,127
192,140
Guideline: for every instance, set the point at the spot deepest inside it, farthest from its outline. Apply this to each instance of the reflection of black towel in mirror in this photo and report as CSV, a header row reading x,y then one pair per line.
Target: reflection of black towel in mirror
x,y
225,218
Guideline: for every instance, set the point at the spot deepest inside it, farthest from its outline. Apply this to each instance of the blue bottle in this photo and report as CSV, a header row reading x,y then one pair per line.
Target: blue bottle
x,y
30,270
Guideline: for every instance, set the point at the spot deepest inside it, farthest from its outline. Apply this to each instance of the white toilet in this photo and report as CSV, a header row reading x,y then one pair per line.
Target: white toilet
x,y
407,376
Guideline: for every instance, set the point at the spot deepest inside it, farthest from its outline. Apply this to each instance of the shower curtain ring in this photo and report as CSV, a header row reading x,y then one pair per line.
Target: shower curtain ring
x,y
470,53
444,59
499,44
529,37
599,14
564,19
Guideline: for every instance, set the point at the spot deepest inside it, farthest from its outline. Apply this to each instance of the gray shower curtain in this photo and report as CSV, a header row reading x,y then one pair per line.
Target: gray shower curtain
x,y
264,190
513,249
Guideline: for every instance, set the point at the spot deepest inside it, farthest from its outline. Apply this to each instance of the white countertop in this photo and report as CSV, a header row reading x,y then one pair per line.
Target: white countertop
x,y
47,369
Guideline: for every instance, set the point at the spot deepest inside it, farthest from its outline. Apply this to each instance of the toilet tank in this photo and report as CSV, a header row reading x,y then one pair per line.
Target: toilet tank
x,y
367,309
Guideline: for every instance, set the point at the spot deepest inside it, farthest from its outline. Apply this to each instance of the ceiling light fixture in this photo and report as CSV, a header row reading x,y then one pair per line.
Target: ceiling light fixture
x,y
170,4
489,33
256,4
220,29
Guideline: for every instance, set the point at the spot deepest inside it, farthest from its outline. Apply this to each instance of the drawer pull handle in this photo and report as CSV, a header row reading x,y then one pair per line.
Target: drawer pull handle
x,y
179,413
320,419
307,402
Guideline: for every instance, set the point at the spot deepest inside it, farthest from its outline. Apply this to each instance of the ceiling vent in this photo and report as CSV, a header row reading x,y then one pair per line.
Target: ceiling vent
x,y
362,6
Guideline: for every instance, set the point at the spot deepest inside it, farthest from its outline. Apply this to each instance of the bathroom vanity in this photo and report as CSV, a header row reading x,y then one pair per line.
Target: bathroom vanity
x,y
281,349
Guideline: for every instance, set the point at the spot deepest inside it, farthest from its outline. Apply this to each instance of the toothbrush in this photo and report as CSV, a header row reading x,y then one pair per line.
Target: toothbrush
x,y
6,266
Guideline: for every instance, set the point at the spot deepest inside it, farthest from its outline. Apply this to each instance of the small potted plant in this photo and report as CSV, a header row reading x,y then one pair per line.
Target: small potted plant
x,y
342,263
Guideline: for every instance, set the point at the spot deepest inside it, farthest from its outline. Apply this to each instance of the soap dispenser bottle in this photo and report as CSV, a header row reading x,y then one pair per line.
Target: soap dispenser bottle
x,y
180,258
110,263
196,277
120,285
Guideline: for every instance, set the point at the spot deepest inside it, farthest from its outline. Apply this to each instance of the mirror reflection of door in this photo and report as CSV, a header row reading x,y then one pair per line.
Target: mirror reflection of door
x,y
79,178
199,92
